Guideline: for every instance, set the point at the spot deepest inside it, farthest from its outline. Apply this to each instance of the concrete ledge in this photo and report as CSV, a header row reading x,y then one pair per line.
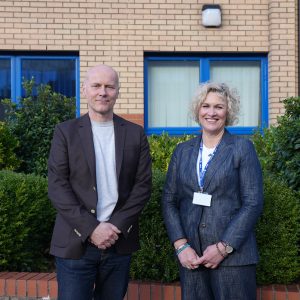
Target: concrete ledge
x,y
43,286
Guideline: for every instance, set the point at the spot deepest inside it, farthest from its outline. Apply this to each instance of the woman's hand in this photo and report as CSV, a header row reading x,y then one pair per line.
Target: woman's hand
x,y
189,258
212,257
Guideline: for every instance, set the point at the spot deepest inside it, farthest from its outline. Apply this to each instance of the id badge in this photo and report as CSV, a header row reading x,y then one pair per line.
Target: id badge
x,y
202,199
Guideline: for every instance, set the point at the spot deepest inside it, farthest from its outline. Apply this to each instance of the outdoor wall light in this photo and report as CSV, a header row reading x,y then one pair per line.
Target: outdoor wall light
x,y
211,15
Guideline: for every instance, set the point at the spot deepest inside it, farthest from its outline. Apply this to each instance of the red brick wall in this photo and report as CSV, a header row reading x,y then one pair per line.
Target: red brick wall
x,y
39,285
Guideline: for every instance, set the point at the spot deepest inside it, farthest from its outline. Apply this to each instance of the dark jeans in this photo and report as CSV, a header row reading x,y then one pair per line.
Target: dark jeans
x,y
223,283
98,275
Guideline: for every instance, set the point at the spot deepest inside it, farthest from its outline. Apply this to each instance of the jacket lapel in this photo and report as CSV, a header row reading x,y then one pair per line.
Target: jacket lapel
x,y
193,163
220,156
120,135
86,136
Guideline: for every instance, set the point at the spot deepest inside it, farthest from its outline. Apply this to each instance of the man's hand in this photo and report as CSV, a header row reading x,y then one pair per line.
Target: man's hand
x,y
104,235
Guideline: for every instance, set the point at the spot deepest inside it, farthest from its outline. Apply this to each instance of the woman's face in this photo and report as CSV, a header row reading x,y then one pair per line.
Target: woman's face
x,y
213,113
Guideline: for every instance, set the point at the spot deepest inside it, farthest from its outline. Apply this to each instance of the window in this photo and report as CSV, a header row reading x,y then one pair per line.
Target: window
x,y
170,84
60,72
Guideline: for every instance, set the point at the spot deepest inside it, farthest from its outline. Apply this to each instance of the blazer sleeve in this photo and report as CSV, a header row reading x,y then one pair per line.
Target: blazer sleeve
x,y
128,213
251,195
170,207
60,189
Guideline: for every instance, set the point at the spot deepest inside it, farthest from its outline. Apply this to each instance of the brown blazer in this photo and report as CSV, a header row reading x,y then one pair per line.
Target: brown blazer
x,y
73,191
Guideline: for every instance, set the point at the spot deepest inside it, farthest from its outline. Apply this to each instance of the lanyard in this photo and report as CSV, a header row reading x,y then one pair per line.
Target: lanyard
x,y
202,173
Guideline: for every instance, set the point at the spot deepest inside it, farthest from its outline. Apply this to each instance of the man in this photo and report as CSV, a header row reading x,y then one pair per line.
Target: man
x,y
99,174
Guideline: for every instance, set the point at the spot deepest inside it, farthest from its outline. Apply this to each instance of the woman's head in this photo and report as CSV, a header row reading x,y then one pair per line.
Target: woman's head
x,y
228,97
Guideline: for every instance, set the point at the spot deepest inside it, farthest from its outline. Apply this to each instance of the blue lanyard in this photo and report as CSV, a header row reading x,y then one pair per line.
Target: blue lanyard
x,y
202,173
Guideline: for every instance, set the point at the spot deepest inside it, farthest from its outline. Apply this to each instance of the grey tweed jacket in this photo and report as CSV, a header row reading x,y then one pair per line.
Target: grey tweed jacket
x,y
234,179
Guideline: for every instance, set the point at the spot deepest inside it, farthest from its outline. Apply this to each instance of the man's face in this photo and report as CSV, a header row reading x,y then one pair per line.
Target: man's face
x,y
101,89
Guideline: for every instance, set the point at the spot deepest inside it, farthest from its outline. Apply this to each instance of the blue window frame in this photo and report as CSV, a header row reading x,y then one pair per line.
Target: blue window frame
x,y
61,72
170,83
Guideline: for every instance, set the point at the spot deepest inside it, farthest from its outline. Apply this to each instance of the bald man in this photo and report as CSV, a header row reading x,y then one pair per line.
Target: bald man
x,y
99,180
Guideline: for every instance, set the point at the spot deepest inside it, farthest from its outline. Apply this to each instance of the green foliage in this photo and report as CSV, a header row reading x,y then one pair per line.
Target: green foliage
x,y
279,147
162,147
27,218
155,260
8,144
278,234
32,122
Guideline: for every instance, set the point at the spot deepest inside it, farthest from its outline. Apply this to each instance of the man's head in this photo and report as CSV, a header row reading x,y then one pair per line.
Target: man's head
x,y
101,88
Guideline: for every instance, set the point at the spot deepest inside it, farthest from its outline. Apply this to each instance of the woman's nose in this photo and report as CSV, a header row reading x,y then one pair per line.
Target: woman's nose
x,y
211,111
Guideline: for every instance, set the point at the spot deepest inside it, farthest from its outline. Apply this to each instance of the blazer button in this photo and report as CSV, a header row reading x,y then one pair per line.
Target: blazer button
x,y
129,229
93,211
202,225
77,232
94,188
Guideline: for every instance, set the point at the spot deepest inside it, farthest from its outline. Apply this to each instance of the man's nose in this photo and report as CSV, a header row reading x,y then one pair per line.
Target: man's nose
x,y
102,90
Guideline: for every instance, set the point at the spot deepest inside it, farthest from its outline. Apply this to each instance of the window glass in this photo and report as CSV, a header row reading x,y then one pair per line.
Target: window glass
x,y
59,74
171,86
245,78
5,83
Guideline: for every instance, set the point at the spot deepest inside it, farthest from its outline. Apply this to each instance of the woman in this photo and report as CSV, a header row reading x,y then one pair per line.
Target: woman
x,y
212,200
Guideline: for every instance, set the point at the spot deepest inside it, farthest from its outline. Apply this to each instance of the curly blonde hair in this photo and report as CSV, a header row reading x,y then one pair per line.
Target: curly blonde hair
x,y
230,96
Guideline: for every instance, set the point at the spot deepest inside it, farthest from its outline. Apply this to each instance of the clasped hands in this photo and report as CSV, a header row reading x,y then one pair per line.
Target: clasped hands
x,y
211,258
104,235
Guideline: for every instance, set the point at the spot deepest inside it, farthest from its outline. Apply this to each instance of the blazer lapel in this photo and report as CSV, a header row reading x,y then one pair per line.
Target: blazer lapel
x,y
86,136
120,135
193,163
220,156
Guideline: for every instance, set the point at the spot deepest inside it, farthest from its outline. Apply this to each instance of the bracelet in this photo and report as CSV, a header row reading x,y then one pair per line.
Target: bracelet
x,y
182,247
220,252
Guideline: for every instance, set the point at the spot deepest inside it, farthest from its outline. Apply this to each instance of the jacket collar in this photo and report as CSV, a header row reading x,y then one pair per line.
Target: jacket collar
x,y
220,156
86,136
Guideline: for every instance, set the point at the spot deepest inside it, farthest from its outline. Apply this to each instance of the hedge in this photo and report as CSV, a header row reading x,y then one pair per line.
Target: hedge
x,y
278,233
27,220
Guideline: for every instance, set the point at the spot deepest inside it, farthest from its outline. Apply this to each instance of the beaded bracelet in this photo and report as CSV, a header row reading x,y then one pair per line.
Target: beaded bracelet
x,y
220,252
182,247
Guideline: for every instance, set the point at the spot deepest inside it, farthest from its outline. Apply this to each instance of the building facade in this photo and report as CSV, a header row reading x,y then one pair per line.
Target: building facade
x,y
160,49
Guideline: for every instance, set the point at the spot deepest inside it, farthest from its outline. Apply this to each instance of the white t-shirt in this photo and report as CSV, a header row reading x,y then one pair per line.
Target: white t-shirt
x,y
106,175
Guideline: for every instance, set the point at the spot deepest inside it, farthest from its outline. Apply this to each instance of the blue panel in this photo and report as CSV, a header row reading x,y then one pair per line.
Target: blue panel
x,y
77,76
65,81
194,130
204,62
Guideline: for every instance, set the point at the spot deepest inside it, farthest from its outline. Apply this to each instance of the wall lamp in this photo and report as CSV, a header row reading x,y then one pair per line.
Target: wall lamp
x,y
211,15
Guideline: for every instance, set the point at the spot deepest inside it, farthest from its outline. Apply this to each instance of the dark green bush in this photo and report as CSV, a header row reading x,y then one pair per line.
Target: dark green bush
x,y
279,147
278,234
27,218
32,122
155,259
8,144
162,147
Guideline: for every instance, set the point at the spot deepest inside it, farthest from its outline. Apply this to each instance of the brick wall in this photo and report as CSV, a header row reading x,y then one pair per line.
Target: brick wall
x,y
117,32
25,286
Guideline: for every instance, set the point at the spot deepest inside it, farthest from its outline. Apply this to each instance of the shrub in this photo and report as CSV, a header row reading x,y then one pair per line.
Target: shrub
x,y
32,122
27,218
155,259
278,234
279,148
162,147
8,144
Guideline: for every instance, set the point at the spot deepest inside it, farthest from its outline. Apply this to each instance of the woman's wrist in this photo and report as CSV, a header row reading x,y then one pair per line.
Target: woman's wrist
x,y
177,244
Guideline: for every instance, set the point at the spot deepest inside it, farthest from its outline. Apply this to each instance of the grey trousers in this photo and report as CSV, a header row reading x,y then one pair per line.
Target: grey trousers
x,y
223,283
